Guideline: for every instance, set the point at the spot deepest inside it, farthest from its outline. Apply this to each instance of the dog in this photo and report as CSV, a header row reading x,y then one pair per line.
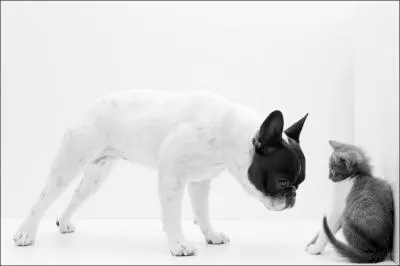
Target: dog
x,y
189,138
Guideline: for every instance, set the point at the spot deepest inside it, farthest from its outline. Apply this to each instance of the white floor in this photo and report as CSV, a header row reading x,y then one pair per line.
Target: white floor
x,y
142,242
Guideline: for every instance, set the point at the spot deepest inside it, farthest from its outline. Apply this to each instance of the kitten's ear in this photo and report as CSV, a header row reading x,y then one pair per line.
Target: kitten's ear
x,y
271,129
294,130
336,144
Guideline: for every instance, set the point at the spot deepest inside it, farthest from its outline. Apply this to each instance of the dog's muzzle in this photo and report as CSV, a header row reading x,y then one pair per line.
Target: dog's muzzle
x,y
285,200
290,198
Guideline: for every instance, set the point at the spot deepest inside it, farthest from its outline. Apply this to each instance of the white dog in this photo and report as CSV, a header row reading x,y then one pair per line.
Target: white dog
x,y
189,138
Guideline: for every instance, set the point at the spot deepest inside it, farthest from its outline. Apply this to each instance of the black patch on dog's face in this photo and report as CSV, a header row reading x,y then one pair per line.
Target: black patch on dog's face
x,y
278,167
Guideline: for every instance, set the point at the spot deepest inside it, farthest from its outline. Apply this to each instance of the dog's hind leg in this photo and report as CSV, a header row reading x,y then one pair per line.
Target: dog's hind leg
x,y
94,175
77,148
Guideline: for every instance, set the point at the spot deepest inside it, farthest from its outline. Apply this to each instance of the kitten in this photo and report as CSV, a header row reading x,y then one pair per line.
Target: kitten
x,y
367,216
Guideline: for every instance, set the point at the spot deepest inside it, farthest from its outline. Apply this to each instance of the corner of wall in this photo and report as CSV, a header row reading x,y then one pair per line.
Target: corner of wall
x,y
376,93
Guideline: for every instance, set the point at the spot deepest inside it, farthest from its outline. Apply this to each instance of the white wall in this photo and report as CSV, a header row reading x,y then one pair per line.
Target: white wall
x,y
58,56
376,98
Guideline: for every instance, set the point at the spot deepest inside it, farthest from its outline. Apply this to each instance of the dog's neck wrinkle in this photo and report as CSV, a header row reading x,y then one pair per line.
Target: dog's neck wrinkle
x,y
238,148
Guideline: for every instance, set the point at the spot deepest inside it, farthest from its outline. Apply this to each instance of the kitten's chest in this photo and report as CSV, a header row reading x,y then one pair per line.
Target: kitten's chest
x,y
341,193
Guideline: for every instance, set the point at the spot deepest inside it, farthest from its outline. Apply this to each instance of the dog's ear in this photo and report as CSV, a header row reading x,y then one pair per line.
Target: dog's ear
x,y
271,129
294,130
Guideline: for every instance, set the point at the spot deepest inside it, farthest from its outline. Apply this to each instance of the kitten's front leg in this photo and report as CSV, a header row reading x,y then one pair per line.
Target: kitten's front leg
x,y
340,192
171,193
319,242
199,193
312,242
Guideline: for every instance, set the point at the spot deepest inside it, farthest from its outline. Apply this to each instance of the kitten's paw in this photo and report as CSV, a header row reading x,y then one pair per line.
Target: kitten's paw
x,y
24,238
65,227
313,250
217,238
182,248
313,240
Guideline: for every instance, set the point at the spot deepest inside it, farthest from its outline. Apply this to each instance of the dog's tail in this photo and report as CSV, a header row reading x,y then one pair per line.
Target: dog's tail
x,y
353,254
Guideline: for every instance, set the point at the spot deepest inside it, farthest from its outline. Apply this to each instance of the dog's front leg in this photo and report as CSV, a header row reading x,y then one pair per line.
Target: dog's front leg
x,y
171,192
199,192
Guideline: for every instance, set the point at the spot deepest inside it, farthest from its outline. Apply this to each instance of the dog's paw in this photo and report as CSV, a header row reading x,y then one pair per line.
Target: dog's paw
x,y
22,238
65,227
182,248
313,250
26,234
217,238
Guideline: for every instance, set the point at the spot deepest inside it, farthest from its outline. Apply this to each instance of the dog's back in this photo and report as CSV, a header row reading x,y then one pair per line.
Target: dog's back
x,y
149,117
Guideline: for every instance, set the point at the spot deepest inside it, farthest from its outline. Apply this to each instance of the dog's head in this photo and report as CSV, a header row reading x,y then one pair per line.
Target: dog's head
x,y
278,164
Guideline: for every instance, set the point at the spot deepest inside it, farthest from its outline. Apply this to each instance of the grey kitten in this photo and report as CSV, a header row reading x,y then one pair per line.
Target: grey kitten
x,y
368,217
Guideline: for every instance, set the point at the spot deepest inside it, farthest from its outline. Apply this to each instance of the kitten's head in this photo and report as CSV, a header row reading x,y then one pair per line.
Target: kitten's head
x,y
347,161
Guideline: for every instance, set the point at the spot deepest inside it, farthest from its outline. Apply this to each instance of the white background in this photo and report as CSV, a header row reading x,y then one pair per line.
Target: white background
x,y
315,57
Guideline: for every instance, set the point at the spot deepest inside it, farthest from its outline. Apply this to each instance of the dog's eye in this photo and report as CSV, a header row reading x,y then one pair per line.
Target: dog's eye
x,y
283,182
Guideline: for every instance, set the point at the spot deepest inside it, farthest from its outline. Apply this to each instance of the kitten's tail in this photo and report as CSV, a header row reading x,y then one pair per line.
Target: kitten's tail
x,y
353,254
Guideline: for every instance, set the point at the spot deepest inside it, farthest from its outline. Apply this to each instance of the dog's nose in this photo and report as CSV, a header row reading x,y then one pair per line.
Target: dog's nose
x,y
290,202
291,194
